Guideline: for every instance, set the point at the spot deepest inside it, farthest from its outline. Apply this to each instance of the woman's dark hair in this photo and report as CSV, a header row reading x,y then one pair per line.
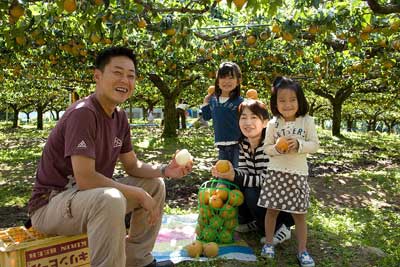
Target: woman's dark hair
x,y
258,108
104,57
232,70
287,83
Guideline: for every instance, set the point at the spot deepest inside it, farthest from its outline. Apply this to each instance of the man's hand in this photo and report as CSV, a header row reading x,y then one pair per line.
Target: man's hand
x,y
174,170
148,203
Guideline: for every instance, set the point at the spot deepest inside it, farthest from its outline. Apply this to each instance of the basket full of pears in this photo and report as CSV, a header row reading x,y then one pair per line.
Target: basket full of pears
x,y
218,202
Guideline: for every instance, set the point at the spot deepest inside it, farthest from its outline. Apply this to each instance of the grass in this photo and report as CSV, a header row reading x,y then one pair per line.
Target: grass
x,y
355,184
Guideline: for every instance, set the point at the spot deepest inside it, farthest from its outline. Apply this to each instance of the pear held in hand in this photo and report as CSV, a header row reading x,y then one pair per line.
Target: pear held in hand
x,y
222,165
282,145
211,89
183,157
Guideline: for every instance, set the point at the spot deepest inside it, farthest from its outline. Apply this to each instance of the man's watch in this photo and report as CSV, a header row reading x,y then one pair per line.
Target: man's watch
x,y
163,168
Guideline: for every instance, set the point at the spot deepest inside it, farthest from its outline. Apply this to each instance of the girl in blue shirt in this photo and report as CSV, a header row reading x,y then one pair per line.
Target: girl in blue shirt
x,y
222,108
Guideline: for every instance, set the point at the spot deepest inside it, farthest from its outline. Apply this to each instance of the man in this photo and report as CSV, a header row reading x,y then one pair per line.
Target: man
x,y
74,191
181,114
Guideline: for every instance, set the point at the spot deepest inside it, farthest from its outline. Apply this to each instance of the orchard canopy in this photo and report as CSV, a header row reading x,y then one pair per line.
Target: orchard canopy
x,y
346,54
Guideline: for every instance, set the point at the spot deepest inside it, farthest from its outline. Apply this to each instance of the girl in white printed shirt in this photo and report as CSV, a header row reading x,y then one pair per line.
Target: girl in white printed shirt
x,y
285,187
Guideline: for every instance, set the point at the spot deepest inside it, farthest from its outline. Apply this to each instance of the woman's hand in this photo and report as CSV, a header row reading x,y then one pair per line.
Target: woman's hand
x,y
229,175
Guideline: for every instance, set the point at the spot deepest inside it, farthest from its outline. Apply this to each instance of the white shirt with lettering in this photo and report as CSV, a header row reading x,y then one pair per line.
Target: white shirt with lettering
x,y
303,129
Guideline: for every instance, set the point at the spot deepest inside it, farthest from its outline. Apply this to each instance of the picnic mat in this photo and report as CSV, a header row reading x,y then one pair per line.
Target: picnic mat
x,y
177,231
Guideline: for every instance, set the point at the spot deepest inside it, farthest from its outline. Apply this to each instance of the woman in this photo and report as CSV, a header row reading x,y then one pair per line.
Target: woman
x,y
253,118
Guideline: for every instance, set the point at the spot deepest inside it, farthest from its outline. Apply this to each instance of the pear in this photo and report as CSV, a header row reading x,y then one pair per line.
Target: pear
x,y
210,250
194,249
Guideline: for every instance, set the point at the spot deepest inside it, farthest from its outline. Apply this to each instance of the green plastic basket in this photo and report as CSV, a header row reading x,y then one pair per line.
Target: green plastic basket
x,y
218,202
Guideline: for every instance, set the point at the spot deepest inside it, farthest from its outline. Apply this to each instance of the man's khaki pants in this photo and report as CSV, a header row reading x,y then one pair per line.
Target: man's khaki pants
x,y
100,213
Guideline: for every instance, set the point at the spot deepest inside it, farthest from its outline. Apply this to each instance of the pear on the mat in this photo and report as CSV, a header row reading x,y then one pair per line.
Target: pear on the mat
x,y
194,249
210,250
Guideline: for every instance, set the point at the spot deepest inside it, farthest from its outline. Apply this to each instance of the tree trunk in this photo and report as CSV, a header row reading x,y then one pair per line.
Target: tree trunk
x,y
144,113
390,125
374,126
39,123
27,117
349,125
311,109
169,117
322,123
337,102
369,126
130,112
170,96
336,117
15,119
15,116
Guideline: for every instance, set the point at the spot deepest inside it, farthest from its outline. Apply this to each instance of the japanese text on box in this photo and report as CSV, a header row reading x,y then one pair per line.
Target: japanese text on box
x,y
72,254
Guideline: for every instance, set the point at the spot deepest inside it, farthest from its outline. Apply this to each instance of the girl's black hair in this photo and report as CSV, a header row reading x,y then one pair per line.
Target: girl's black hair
x,y
258,108
287,83
104,57
232,70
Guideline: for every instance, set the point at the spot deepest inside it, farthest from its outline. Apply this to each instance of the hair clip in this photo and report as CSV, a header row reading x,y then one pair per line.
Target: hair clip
x,y
226,64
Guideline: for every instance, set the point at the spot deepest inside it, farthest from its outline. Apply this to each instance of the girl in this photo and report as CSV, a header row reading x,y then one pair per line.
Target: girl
x,y
221,106
285,187
253,118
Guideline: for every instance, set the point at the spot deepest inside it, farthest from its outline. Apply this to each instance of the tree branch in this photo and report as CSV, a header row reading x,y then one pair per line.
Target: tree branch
x,y
159,83
216,37
344,93
149,7
188,82
386,9
320,92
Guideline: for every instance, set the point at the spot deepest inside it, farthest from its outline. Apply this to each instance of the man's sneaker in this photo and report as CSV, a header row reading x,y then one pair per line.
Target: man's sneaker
x,y
305,259
247,227
268,251
166,263
282,234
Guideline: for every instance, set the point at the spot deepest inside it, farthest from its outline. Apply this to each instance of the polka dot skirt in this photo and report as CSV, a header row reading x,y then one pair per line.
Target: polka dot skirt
x,y
285,191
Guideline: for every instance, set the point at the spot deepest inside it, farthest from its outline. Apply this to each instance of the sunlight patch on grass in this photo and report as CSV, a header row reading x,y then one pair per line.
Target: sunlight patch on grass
x,y
17,155
178,211
357,227
19,201
338,224
143,144
387,179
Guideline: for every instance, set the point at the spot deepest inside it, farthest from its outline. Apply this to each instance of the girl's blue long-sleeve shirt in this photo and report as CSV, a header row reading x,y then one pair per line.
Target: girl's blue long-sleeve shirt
x,y
225,118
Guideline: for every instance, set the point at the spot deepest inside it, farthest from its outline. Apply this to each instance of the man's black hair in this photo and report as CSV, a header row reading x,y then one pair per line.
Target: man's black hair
x,y
104,57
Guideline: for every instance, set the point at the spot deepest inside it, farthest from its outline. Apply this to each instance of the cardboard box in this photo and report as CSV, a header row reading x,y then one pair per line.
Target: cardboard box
x,y
20,247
